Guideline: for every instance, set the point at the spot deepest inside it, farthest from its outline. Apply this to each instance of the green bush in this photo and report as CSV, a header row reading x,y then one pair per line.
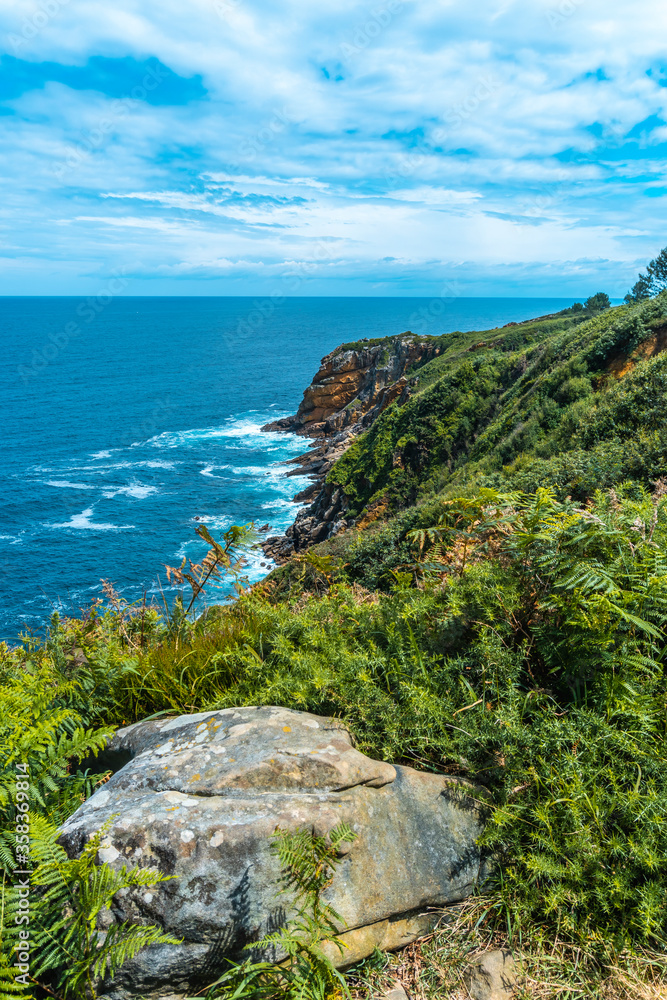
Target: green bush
x,y
475,413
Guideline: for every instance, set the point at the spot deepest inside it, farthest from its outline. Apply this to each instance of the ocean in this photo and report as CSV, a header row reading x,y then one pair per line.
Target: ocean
x,y
125,422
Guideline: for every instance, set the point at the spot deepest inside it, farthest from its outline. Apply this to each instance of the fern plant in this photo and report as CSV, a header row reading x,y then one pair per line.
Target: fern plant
x,y
226,557
72,954
44,738
306,973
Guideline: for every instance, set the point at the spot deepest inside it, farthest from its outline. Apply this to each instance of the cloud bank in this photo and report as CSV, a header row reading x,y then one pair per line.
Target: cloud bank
x,y
391,148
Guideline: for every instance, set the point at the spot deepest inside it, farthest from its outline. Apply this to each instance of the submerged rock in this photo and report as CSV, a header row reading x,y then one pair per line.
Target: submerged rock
x,y
201,798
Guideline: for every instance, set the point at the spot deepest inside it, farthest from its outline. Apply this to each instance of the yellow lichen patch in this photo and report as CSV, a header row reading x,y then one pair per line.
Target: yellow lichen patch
x,y
195,777
287,729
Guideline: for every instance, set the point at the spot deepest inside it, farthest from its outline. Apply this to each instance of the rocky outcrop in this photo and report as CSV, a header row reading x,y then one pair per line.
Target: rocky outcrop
x,y
353,382
201,797
351,389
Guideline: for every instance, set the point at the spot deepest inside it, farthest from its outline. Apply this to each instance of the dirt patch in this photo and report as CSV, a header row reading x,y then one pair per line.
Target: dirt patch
x,y
624,363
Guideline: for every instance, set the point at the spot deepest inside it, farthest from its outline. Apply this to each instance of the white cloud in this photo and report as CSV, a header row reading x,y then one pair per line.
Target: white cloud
x,y
426,133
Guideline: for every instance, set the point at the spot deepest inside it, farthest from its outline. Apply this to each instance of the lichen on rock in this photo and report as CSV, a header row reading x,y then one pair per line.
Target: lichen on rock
x,y
201,798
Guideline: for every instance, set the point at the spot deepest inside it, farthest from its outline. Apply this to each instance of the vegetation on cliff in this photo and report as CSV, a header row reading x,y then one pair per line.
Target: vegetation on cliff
x,y
555,402
497,613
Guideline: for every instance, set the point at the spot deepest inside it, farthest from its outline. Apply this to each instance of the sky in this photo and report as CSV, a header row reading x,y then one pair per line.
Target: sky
x,y
286,147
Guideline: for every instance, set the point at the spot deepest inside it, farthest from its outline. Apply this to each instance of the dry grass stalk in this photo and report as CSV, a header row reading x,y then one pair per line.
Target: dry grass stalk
x,y
433,967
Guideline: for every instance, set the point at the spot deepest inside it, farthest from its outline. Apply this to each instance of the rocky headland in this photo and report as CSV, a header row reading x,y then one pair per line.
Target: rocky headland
x,y
353,386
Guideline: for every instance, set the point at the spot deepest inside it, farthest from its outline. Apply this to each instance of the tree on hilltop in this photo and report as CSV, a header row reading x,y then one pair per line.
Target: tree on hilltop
x,y
597,303
652,281
593,305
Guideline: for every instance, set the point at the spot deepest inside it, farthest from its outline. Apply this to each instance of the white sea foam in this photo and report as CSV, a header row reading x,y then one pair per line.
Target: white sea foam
x,y
82,522
276,470
246,429
136,490
208,471
103,454
215,522
275,473
106,469
257,565
279,504
66,485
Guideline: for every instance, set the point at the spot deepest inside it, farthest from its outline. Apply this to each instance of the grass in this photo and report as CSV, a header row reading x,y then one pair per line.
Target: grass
x,y
433,968
538,404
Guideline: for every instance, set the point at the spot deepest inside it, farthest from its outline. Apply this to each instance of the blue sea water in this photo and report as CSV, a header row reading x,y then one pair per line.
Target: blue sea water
x,y
126,421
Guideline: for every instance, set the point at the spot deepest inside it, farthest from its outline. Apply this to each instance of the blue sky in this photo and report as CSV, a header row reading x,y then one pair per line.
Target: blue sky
x,y
399,147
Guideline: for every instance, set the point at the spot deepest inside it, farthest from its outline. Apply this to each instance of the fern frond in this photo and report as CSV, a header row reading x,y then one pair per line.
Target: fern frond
x,y
122,942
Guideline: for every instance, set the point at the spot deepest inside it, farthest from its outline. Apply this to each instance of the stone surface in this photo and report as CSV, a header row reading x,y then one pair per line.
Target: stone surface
x,y
202,795
350,390
398,993
492,976
387,935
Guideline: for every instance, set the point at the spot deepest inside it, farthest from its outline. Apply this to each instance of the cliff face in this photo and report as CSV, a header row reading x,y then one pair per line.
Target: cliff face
x,y
350,390
352,386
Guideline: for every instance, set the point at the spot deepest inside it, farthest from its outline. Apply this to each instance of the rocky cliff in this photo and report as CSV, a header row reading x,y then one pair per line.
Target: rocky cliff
x,y
352,387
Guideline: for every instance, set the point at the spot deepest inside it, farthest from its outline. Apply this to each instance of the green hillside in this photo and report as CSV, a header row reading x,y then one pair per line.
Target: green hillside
x,y
545,402
498,612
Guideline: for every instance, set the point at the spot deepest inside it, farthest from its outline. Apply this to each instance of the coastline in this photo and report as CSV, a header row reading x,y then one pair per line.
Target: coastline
x,y
354,384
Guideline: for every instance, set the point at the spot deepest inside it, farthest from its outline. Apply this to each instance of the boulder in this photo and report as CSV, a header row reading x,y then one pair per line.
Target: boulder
x,y
199,796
